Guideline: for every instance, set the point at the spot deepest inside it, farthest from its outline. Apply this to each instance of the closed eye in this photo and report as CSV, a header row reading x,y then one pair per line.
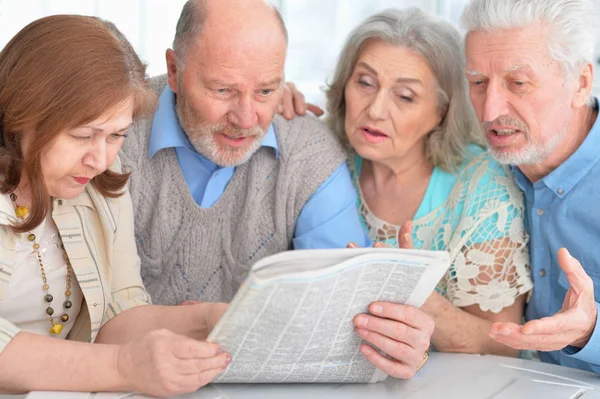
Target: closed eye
x,y
116,136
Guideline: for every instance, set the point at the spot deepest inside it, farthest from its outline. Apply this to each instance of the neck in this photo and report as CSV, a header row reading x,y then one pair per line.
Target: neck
x,y
23,193
406,170
582,121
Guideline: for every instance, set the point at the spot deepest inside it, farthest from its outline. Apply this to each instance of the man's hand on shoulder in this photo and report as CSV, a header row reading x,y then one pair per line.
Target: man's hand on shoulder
x,y
293,103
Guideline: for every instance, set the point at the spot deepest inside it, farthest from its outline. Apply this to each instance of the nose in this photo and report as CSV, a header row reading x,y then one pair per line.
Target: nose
x,y
244,114
96,157
496,102
378,109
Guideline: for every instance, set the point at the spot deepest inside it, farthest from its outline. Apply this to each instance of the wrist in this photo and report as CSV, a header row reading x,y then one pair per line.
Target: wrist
x,y
434,304
582,342
201,322
121,366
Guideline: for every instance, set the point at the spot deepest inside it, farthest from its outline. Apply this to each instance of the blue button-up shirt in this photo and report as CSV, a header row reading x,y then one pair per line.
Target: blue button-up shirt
x,y
329,218
562,211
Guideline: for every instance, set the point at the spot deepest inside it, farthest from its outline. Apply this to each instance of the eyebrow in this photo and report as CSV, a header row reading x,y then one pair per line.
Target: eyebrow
x,y
399,80
217,82
99,129
473,73
274,82
511,69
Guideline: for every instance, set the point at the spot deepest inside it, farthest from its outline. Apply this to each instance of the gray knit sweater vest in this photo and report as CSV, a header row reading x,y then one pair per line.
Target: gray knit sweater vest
x,y
192,253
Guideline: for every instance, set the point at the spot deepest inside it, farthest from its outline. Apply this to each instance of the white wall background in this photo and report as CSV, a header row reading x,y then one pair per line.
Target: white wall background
x,y
317,28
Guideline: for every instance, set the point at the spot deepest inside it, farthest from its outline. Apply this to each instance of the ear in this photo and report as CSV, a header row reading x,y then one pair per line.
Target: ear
x,y
583,85
171,69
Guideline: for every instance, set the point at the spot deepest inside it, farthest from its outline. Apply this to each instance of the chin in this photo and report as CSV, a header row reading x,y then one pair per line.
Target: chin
x,y
68,194
369,153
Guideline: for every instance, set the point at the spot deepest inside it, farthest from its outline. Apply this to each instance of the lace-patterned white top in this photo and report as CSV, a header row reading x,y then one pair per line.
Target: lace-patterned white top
x,y
476,214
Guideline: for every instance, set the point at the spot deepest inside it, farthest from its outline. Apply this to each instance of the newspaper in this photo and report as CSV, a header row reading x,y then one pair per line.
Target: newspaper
x,y
291,320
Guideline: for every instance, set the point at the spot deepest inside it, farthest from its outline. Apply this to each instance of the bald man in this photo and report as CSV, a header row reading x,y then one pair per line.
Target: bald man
x,y
219,181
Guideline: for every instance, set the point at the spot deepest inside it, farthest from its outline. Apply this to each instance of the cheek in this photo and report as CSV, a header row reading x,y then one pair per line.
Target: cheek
x,y
413,123
266,112
354,105
111,154
55,166
350,118
212,112
477,101
205,110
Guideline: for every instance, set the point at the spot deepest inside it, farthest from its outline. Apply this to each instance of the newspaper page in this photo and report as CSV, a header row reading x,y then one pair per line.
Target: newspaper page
x,y
297,327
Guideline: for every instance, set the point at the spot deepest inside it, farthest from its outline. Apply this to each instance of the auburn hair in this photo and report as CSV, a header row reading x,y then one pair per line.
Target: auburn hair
x,y
58,73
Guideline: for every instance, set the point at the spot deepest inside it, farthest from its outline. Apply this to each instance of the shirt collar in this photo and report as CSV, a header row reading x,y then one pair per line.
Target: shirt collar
x,y
562,179
167,132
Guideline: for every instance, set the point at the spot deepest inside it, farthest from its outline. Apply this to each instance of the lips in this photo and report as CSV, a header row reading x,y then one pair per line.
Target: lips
x,y
503,130
234,141
499,137
81,180
373,135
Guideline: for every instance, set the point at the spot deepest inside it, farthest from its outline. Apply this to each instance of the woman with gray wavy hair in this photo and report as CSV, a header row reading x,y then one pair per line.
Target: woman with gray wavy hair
x,y
398,100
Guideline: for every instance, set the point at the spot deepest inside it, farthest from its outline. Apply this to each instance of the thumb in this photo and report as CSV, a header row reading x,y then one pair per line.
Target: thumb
x,y
405,235
578,278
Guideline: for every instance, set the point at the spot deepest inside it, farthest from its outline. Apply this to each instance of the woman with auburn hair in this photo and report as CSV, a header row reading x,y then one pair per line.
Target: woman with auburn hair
x,y
70,87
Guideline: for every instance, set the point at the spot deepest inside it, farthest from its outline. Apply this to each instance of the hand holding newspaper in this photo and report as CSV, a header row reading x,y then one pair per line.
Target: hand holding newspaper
x,y
291,320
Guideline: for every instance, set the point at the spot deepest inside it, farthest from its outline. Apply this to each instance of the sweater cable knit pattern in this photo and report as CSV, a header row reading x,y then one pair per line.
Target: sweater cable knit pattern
x,y
189,252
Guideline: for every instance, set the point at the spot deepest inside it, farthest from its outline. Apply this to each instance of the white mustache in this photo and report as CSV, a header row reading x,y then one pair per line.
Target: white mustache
x,y
236,132
507,121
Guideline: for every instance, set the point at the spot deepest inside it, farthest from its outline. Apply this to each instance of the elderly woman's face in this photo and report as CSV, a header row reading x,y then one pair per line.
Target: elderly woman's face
x,y
82,153
391,102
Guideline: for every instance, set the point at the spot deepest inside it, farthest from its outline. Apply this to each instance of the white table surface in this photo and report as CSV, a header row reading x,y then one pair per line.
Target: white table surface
x,y
444,376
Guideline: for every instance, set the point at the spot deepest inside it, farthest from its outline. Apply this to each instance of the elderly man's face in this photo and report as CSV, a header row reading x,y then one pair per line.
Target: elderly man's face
x,y
228,93
519,93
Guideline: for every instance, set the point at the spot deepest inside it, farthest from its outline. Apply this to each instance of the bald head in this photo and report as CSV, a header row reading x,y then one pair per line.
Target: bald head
x,y
227,72
229,15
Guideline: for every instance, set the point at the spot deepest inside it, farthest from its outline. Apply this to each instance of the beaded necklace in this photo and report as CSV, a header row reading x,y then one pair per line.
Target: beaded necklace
x,y
56,327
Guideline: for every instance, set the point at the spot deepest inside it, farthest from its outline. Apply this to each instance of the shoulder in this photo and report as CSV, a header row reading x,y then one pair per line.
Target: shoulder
x,y
158,83
136,145
307,135
480,163
485,181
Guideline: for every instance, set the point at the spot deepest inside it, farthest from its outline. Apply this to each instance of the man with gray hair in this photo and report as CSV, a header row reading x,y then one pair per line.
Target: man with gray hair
x,y
219,182
529,67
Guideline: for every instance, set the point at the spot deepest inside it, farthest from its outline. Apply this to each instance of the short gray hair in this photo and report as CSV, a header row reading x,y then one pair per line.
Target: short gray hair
x,y
571,24
441,45
191,21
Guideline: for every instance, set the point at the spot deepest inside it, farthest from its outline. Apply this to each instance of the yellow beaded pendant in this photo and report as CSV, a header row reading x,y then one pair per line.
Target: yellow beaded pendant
x,y
21,212
56,328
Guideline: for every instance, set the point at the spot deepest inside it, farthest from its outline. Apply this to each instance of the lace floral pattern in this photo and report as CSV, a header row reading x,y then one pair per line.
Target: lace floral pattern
x,y
480,225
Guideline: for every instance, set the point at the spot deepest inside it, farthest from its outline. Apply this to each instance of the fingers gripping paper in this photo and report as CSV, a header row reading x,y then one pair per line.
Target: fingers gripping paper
x,y
291,320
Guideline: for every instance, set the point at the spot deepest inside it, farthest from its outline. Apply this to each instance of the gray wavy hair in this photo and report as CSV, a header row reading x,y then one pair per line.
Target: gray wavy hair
x,y
572,25
441,45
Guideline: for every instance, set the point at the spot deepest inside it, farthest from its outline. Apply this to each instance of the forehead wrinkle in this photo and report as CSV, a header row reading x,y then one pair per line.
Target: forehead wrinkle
x,y
516,68
407,71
